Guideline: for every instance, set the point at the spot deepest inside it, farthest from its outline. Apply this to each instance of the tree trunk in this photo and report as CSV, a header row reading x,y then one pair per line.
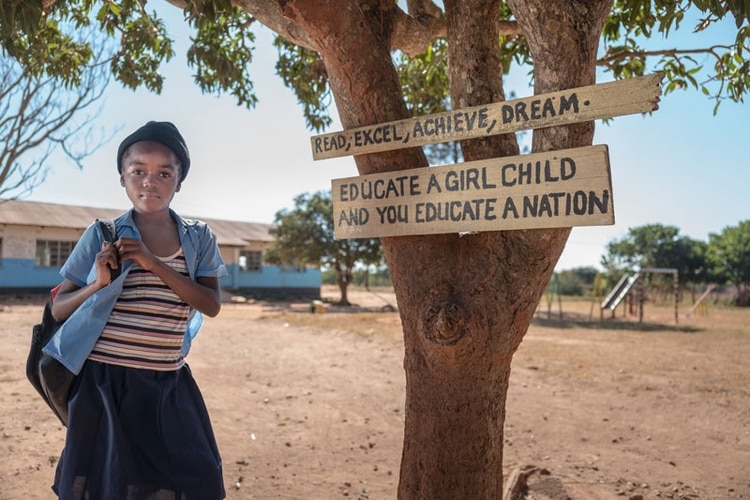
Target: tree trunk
x,y
465,301
343,288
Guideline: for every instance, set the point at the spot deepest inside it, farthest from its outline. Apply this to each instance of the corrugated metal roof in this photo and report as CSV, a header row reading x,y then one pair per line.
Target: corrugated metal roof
x,y
32,213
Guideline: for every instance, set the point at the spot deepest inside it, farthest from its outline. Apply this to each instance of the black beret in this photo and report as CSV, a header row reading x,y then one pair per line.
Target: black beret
x,y
163,132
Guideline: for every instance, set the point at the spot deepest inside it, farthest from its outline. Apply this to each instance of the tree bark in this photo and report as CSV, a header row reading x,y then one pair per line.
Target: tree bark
x,y
481,290
466,301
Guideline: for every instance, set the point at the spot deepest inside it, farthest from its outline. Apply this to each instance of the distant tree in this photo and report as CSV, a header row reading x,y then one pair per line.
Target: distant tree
x,y
689,258
657,246
380,276
576,281
729,255
42,115
644,246
305,236
364,276
373,275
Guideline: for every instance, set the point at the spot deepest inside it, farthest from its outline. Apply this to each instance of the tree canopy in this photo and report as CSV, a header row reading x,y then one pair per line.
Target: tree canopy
x,y
729,255
657,246
305,236
39,35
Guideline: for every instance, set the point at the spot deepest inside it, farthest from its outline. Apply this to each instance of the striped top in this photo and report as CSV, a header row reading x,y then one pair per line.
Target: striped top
x,y
147,325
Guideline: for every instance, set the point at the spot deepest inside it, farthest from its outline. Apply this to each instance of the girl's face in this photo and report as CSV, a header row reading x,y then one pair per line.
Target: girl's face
x,y
150,175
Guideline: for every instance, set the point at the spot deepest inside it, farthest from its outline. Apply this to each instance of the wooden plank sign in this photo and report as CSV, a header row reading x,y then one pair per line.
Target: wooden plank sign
x,y
562,188
606,100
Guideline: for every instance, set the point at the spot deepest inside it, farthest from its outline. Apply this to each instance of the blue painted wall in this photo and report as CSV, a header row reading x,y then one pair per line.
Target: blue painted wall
x,y
273,280
23,275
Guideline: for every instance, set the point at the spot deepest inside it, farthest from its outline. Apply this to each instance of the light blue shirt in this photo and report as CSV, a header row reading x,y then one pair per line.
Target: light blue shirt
x,y
74,340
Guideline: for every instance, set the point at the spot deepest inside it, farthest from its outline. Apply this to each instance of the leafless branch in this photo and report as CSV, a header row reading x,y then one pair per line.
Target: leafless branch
x,y
39,117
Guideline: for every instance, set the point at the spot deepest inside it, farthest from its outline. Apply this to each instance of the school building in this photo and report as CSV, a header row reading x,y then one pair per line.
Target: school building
x,y
36,238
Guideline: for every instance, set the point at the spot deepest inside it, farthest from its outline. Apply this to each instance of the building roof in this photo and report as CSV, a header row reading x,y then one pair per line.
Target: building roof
x,y
32,213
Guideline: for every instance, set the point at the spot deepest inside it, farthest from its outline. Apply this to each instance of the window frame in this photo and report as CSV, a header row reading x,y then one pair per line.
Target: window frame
x,y
253,260
52,253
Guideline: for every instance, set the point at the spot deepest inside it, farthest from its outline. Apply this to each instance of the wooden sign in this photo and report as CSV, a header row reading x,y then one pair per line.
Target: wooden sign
x,y
606,100
565,188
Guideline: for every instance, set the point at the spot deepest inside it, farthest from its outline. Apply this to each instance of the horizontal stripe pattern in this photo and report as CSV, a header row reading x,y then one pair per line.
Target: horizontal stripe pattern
x,y
147,325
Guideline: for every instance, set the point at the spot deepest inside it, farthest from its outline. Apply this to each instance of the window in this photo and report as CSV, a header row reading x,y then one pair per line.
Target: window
x,y
51,253
250,260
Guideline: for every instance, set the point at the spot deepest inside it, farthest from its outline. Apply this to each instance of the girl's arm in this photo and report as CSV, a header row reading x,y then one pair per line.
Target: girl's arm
x,y
203,294
71,296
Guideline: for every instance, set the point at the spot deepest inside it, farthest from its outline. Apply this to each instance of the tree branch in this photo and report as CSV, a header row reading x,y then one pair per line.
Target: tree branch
x,y
610,57
39,116
412,31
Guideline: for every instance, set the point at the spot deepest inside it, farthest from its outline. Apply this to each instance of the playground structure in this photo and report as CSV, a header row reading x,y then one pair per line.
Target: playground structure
x,y
626,284
699,307
629,283
620,291
553,289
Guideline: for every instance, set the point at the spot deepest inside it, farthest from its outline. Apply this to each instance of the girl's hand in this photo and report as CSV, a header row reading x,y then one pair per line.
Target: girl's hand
x,y
135,250
70,296
107,259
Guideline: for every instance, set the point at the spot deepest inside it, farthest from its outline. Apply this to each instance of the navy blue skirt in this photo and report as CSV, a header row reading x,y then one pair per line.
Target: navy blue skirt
x,y
138,435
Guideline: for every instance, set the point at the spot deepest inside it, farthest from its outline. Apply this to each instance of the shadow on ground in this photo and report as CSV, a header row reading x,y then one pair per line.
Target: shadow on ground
x,y
577,320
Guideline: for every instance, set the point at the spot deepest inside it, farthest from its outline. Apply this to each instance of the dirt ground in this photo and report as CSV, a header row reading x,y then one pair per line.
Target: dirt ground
x,y
310,405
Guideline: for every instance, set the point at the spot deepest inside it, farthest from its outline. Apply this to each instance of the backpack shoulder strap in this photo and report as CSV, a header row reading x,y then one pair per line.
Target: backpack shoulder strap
x,y
108,229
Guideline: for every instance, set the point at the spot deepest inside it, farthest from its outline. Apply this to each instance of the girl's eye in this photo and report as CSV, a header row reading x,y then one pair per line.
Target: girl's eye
x,y
166,175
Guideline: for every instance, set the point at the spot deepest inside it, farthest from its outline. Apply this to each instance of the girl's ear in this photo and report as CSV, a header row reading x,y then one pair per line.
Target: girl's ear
x,y
122,180
177,190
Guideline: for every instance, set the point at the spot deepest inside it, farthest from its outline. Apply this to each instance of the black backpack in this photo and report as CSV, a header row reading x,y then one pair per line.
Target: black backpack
x,y
51,379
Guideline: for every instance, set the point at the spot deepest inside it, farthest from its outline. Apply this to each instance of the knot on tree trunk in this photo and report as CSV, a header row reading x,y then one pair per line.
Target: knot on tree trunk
x,y
443,322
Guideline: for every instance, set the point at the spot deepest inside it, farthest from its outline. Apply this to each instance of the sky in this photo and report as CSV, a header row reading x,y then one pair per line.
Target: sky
x,y
679,166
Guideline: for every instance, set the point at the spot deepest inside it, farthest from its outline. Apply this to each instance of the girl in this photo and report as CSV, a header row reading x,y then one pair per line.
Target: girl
x,y
137,425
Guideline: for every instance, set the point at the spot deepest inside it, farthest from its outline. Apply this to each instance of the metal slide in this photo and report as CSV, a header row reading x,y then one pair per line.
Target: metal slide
x,y
619,292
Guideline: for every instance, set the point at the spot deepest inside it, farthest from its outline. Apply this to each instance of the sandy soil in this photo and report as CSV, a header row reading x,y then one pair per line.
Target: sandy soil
x,y
310,406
